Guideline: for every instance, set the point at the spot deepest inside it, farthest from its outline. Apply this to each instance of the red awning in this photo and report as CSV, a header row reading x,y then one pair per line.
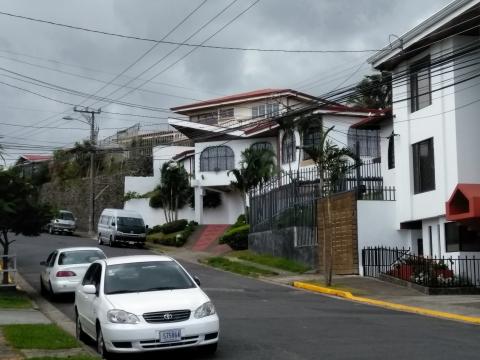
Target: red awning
x,y
464,203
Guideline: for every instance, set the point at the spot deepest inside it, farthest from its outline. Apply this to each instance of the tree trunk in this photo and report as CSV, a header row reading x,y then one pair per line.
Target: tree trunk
x,y
245,208
5,244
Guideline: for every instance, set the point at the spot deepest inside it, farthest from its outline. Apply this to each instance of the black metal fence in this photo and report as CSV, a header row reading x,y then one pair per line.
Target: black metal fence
x,y
289,199
430,272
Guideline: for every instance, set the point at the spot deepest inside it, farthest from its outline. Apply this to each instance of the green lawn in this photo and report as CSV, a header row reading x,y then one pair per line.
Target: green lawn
x,y
237,267
75,357
14,300
38,336
272,261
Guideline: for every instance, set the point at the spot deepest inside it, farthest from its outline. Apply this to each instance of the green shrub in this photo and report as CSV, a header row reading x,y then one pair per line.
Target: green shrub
x,y
236,237
174,226
241,220
156,200
155,229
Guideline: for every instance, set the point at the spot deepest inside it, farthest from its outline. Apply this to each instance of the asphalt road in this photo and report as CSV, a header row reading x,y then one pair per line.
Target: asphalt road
x,y
260,320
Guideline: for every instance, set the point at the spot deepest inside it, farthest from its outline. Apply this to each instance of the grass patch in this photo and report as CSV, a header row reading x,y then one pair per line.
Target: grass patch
x,y
39,336
237,267
14,300
74,357
272,261
339,286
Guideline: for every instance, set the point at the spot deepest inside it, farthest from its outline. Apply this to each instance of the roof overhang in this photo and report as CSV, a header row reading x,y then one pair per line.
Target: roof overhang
x,y
464,203
438,26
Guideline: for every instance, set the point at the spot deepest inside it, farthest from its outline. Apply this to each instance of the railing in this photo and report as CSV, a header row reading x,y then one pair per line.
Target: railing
x,y
429,272
8,270
384,193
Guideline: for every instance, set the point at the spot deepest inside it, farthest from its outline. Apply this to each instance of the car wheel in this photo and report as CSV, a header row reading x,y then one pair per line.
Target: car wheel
x,y
51,293
43,291
101,349
210,349
80,334
100,241
111,243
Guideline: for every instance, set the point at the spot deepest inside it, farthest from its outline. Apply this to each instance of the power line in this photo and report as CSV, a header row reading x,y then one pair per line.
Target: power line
x,y
201,45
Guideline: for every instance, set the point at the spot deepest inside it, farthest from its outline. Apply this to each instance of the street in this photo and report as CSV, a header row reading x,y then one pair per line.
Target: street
x,y
260,320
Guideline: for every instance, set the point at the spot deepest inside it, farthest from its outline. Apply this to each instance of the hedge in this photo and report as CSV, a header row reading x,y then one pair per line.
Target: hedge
x,y
174,226
236,237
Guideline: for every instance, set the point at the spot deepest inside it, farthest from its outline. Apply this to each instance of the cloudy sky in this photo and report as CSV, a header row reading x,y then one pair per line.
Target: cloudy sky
x,y
87,62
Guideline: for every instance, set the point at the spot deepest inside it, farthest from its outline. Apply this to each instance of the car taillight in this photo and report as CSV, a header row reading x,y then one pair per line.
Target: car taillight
x,y
65,274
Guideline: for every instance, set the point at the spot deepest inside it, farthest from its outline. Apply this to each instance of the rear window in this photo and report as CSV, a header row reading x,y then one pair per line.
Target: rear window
x,y
79,257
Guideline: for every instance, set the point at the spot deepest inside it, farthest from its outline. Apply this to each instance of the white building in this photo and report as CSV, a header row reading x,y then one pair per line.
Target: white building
x,y
432,141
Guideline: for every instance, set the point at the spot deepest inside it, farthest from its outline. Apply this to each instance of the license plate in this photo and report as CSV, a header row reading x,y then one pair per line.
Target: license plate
x,y
170,335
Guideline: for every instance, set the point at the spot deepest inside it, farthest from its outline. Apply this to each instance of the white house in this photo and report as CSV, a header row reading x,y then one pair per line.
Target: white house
x,y
432,140
223,128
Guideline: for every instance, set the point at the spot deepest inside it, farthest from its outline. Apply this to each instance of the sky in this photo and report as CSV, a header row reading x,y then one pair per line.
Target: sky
x,y
88,62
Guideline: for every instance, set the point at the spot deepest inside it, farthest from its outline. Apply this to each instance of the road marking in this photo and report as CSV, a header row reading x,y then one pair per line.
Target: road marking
x,y
388,305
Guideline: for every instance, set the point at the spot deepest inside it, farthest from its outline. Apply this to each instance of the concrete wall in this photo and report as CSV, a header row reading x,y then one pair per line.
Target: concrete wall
x,y
376,223
281,243
73,196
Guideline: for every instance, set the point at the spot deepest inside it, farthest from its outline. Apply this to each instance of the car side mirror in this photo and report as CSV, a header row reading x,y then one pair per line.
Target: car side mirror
x,y
89,289
197,280
43,263
113,224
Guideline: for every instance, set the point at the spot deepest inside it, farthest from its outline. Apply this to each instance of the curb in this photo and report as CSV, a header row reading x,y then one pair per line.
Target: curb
x,y
388,305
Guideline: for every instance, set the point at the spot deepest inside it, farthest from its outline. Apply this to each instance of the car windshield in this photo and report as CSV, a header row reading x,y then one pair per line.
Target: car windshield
x,y
66,216
79,257
129,221
145,276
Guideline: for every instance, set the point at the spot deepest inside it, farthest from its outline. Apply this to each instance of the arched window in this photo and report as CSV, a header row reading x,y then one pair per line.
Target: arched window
x,y
311,137
263,145
217,158
288,147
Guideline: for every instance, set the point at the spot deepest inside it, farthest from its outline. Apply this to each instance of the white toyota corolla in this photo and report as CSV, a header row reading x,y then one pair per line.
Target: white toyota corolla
x,y
143,303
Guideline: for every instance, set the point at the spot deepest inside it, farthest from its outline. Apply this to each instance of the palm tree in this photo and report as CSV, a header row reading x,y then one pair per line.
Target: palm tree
x,y
373,92
256,167
332,163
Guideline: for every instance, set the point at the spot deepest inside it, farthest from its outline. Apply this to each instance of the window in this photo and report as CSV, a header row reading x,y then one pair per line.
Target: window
x,y
262,146
265,110
311,137
391,151
368,142
53,257
430,240
460,238
217,158
288,147
423,166
79,257
226,113
209,118
420,85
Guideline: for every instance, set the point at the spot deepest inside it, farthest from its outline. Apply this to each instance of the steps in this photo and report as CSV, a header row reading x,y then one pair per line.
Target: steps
x,y
209,237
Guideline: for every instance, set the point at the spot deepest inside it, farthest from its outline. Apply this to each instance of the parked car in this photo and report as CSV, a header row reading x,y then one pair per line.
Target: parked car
x,y
117,226
63,222
143,303
64,269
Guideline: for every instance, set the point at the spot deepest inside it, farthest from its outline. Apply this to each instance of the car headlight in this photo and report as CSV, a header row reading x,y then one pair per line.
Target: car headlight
x,y
122,317
206,309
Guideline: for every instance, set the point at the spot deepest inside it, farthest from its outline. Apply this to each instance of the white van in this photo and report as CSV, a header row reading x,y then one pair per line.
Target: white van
x,y
117,226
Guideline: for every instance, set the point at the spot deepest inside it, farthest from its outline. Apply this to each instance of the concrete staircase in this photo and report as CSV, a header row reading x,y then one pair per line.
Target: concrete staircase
x,y
208,239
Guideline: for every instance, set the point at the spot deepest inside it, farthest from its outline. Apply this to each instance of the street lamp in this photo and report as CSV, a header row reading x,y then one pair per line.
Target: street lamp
x,y
90,120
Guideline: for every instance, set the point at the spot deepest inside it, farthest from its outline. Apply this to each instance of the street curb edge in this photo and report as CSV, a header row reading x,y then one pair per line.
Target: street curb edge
x,y
388,305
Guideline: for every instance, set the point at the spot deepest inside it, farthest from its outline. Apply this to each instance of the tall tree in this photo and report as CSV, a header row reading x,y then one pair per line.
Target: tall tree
x,y
256,167
373,92
332,163
20,212
174,190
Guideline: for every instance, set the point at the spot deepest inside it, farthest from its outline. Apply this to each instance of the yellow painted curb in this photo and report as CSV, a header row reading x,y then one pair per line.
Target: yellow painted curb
x,y
386,304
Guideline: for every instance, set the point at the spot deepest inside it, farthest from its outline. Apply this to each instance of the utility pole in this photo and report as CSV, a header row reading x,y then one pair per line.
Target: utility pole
x,y
91,121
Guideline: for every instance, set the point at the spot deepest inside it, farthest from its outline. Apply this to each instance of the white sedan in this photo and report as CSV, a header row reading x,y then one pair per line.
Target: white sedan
x,y
64,269
142,303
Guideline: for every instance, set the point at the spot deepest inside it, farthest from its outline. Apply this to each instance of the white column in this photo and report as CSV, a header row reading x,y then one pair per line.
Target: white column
x,y
199,193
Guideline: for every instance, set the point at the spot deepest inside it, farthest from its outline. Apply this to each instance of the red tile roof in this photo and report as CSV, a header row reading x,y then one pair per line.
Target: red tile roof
x,y
243,96
34,157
